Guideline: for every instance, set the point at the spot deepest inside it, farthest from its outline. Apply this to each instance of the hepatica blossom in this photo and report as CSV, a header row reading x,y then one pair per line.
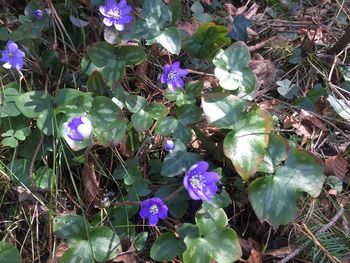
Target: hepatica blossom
x,y
78,129
169,145
39,14
12,56
172,76
153,209
116,14
200,184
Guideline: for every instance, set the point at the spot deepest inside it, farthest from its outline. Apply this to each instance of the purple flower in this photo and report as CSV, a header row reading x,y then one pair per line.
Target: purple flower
x,y
39,14
154,209
199,183
78,129
169,145
173,75
116,14
12,56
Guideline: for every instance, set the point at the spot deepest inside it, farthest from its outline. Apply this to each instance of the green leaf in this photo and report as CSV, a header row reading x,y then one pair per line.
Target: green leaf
x,y
102,54
222,246
207,40
166,126
178,160
45,121
245,146
276,152
157,110
130,172
182,132
188,114
287,89
79,251
167,247
130,54
274,197
198,13
96,84
32,103
9,253
107,120
239,28
222,110
9,142
20,171
142,120
114,72
170,39
211,220
140,240
176,10
135,103
156,13
44,178
105,243
70,227
232,69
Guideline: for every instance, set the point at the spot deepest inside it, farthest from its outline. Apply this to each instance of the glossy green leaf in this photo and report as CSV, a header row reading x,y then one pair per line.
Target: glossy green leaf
x,y
167,247
188,114
142,120
222,110
182,132
207,40
274,197
170,39
130,172
140,240
276,152
232,69
102,54
156,13
166,126
105,243
79,251
45,121
178,160
114,72
130,54
107,120
211,220
9,142
246,145
96,84
157,110
32,103
43,178
9,253
135,103
70,227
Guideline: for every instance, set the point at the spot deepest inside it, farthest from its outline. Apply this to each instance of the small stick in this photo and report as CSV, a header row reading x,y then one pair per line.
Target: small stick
x,y
321,230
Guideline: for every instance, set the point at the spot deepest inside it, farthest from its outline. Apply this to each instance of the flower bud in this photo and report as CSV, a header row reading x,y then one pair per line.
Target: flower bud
x,y
169,145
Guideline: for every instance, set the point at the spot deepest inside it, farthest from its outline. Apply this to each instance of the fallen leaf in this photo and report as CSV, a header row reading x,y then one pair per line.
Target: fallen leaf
x,y
90,182
264,70
255,257
230,9
337,165
62,247
188,27
128,256
282,252
304,115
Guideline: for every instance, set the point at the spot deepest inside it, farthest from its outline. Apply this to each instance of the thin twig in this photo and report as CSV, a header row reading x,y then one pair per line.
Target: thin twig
x,y
321,230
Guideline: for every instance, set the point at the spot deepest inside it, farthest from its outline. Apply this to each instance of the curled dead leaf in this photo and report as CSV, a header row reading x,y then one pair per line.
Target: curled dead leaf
x,y
90,182
337,165
264,70
255,256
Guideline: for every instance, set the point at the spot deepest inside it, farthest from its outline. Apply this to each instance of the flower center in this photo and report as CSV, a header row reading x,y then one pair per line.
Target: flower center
x,y
10,54
116,14
197,181
154,209
172,75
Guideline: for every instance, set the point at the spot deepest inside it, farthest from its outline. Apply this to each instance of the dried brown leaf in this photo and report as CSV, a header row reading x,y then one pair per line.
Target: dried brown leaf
x,y
90,182
337,165
128,256
189,28
255,256
306,116
62,247
264,70
230,9
282,252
